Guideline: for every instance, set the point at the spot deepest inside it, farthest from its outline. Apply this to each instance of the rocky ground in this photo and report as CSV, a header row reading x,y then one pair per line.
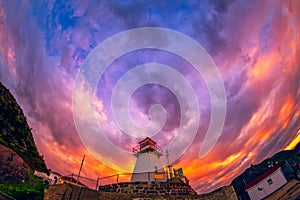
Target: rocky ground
x,y
13,169
290,191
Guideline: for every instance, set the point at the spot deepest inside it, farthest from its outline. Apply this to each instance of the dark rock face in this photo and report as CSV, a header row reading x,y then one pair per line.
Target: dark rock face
x,y
13,169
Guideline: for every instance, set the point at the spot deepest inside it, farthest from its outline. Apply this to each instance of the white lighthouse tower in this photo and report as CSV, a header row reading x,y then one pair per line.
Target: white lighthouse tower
x,y
148,166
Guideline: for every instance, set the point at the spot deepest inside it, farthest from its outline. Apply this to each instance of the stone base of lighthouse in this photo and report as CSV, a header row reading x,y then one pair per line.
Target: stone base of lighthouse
x,y
169,188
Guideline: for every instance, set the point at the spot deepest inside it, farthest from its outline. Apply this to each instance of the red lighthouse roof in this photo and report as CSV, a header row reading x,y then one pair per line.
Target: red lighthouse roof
x,y
148,144
147,140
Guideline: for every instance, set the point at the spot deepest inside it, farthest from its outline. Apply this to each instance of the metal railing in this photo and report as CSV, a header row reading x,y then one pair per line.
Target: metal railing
x,y
6,196
138,148
114,178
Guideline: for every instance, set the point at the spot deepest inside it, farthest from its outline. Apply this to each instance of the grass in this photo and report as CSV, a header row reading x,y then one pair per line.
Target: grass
x,y
33,189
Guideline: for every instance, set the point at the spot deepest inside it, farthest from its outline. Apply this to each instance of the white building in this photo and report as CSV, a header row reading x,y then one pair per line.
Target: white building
x,y
266,184
53,178
148,166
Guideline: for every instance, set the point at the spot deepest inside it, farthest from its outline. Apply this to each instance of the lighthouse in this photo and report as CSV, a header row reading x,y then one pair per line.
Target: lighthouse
x,y
148,166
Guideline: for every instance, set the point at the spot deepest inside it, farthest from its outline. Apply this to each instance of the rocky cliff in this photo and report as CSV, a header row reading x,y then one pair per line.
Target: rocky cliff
x,y
13,168
15,133
18,154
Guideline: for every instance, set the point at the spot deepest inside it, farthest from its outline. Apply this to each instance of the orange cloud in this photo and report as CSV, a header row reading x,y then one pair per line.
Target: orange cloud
x,y
262,68
294,142
285,111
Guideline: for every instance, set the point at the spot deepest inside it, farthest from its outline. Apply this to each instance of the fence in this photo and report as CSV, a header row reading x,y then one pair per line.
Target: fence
x,y
5,196
115,178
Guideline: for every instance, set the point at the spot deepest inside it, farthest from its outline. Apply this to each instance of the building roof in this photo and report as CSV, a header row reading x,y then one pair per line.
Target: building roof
x,y
262,176
147,139
147,145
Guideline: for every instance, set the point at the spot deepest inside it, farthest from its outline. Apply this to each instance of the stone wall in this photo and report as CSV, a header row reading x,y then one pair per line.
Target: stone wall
x,y
68,191
159,188
72,192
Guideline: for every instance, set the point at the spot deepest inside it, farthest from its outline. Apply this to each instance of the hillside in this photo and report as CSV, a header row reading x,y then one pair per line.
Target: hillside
x,y
15,132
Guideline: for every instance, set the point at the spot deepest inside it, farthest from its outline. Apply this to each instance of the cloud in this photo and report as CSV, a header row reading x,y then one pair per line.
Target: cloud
x,y
254,44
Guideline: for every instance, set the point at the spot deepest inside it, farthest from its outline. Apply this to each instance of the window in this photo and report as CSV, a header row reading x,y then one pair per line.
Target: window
x,y
270,181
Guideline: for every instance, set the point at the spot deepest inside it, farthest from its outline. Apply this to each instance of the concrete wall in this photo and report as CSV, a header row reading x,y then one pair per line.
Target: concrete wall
x,y
72,192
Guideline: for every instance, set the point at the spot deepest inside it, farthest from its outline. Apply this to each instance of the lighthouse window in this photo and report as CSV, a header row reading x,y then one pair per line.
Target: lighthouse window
x,y
270,181
143,145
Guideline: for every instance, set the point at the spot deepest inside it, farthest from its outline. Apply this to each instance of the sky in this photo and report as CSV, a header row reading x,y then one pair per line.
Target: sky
x,y
254,47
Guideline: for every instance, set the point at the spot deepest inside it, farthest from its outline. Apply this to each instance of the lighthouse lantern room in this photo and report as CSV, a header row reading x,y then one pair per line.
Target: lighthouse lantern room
x,y
147,164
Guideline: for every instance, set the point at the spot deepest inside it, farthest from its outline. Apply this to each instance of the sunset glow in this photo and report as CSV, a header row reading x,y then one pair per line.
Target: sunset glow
x,y
254,44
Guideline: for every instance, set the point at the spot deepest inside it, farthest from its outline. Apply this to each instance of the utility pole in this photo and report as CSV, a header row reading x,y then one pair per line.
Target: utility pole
x,y
169,166
97,184
80,169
